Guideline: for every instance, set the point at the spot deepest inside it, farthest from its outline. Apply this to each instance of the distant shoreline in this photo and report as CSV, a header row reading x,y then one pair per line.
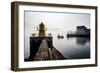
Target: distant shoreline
x,y
78,35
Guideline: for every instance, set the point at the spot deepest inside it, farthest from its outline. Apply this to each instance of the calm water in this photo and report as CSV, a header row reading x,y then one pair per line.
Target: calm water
x,y
73,48
70,48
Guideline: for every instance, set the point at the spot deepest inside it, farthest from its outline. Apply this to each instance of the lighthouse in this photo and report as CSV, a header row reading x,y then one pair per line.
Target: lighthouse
x,y
41,47
41,30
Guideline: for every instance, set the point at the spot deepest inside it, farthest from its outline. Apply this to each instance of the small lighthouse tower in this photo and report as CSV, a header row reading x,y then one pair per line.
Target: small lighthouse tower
x,y
42,30
45,46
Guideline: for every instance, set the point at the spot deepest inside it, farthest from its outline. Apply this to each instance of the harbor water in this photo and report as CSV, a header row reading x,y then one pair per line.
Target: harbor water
x,y
70,47
73,47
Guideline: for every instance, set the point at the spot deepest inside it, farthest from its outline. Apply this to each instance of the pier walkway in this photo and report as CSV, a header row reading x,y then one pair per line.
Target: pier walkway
x,y
46,53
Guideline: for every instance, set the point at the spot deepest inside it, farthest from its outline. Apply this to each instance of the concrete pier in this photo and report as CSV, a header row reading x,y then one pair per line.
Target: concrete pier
x,y
43,49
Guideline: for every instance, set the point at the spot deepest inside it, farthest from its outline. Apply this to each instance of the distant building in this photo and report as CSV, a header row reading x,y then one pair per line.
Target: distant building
x,y
82,30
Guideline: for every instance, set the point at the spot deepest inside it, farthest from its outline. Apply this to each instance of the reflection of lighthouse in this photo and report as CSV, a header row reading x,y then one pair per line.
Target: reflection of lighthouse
x,y
42,30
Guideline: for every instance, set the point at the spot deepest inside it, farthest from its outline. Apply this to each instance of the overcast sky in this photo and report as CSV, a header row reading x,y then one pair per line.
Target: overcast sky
x,y
55,21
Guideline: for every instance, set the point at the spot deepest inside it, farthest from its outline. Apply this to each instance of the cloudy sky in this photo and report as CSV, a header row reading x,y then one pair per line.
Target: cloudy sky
x,y
54,22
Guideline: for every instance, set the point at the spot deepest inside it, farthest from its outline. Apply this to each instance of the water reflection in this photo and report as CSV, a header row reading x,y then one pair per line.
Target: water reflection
x,y
73,47
82,40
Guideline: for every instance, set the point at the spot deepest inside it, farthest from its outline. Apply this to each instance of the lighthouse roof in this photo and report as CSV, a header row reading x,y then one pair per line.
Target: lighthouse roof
x,y
41,24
